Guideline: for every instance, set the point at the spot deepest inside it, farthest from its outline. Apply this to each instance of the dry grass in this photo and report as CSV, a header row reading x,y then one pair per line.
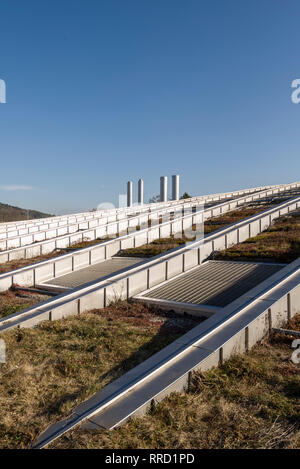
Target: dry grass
x,y
87,243
162,245
158,246
233,216
280,243
249,402
59,364
294,323
15,301
252,401
19,263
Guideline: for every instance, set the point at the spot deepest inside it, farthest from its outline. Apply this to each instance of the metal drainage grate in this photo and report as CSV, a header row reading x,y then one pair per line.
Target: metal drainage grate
x,y
214,283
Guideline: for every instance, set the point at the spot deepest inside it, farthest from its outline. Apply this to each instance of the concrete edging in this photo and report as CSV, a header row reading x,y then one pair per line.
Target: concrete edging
x,y
52,268
99,294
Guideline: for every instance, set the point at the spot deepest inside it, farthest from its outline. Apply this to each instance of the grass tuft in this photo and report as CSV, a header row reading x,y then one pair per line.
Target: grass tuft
x,y
15,301
280,243
57,365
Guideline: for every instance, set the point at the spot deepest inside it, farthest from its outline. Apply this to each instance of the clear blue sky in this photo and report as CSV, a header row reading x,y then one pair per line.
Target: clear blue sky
x,y
99,92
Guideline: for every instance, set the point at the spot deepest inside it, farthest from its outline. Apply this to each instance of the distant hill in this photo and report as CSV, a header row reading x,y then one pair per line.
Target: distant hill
x,y
10,213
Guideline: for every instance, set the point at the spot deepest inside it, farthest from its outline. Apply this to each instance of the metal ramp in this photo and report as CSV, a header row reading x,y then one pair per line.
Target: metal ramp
x,y
209,287
88,274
